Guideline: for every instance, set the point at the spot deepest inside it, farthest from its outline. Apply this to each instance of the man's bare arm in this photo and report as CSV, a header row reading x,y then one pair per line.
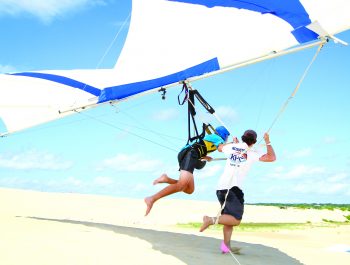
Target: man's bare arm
x,y
270,155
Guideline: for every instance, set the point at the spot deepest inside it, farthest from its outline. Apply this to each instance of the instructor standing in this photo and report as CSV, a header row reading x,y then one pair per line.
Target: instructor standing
x,y
240,158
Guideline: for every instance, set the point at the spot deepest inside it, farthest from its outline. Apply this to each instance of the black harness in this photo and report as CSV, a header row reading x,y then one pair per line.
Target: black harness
x,y
196,141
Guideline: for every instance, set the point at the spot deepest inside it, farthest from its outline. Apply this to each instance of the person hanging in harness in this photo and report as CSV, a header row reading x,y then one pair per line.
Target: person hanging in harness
x,y
190,157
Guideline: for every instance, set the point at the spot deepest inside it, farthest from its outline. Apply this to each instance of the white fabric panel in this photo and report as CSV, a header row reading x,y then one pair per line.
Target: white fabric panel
x,y
166,37
28,101
332,15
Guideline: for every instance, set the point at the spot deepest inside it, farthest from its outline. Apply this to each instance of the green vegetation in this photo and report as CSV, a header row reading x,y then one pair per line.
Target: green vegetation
x,y
266,227
197,226
317,206
253,227
270,227
331,221
247,226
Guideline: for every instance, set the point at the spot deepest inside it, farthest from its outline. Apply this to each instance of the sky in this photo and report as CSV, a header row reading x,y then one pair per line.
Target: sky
x,y
119,151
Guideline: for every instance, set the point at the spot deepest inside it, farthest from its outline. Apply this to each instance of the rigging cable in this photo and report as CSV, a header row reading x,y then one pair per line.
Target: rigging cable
x,y
284,106
109,47
113,41
277,117
296,88
274,121
146,128
267,82
116,127
210,110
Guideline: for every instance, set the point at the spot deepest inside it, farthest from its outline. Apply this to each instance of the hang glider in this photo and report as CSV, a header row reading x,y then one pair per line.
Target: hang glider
x,y
171,41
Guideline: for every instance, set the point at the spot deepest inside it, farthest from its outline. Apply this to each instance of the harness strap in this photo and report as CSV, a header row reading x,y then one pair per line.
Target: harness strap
x,y
184,90
209,129
204,103
190,95
191,115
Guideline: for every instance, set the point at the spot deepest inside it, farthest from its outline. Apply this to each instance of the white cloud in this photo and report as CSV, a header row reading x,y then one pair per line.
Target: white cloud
x,y
338,177
329,140
140,187
313,182
209,171
347,193
298,171
131,163
7,69
227,113
45,10
34,159
71,181
166,114
319,187
301,153
279,170
103,181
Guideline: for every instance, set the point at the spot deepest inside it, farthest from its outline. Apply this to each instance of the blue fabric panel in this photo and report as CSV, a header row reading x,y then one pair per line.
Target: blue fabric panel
x,y
304,34
292,11
124,91
63,80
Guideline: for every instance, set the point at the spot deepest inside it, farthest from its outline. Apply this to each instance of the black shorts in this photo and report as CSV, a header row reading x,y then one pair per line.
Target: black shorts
x,y
188,159
234,203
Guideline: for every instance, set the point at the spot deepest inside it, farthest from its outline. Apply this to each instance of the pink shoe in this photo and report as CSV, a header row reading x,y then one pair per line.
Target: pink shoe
x,y
224,248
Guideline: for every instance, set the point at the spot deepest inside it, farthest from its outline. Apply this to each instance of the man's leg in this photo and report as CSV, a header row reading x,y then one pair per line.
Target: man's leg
x,y
227,230
164,178
186,181
228,223
185,184
224,219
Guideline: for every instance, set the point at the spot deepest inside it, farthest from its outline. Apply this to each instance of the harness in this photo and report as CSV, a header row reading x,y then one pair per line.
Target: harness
x,y
196,141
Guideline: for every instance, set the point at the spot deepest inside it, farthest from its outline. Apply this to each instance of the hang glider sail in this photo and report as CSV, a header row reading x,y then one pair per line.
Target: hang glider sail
x,y
170,41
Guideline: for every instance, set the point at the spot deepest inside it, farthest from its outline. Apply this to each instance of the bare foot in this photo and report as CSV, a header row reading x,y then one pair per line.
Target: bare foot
x,y
226,248
162,179
235,250
207,221
149,202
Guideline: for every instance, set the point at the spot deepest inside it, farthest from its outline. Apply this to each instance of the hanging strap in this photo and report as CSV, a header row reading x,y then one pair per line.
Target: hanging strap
x,y
204,103
184,90
209,129
190,96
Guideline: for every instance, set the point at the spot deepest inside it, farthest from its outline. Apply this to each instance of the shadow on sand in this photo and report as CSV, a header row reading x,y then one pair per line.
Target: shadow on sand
x,y
193,249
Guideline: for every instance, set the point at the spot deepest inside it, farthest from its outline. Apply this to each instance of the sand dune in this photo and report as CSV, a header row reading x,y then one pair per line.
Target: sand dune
x,y
51,228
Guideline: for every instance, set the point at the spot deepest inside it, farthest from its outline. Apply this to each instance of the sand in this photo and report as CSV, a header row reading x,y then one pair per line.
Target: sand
x,y
73,229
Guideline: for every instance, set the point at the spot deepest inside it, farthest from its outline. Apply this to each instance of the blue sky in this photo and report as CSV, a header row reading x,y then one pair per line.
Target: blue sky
x,y
119,150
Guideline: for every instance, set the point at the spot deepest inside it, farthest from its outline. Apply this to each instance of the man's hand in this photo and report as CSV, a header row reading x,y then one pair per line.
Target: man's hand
x,y
267,138
207,158
270,155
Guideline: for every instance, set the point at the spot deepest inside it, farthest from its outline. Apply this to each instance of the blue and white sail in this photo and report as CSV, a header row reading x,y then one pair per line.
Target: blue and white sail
x,y
170,41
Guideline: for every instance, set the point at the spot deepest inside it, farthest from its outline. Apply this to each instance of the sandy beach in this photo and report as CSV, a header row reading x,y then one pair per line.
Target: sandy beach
x,y
72,229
